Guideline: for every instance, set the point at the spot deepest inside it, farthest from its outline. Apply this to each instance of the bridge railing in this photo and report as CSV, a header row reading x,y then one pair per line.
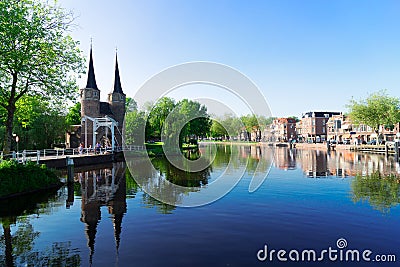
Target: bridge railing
x,y
37,155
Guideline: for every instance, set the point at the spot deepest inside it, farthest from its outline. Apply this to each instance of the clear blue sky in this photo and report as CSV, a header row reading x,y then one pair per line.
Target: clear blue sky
x,y
303,55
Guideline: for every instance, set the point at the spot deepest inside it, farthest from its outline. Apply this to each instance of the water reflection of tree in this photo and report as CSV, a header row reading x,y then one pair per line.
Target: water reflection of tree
x,y
382,192
255,158
161,207
132,186
181,177
19,247
158,178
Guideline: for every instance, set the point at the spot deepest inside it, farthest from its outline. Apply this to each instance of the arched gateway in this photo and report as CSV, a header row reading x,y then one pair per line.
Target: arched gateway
x,y
102,121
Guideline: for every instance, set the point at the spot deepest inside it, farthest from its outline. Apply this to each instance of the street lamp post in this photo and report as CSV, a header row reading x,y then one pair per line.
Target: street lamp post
x,y
16,140
84,120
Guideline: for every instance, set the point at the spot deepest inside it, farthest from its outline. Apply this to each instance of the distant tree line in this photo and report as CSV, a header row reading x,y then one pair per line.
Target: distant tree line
x,y
165,119
229,125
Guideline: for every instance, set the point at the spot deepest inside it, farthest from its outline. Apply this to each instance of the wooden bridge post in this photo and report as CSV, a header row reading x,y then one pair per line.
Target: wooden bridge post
x,y
70,170
24,156
38,156
386,149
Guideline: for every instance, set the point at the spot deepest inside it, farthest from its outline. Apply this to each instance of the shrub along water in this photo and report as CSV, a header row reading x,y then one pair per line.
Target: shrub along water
x,y
18,178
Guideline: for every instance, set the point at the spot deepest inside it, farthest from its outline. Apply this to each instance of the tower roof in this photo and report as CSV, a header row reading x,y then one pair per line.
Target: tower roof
x,y
91,80
117,79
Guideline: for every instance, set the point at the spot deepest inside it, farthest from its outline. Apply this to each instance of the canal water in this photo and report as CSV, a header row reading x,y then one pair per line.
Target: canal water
x,y
311,201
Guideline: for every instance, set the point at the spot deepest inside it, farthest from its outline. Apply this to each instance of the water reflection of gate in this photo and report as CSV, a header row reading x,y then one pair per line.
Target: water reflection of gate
x,y
102,187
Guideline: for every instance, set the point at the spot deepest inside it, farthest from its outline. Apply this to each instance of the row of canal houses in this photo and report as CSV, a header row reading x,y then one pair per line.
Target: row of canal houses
x,y
318,126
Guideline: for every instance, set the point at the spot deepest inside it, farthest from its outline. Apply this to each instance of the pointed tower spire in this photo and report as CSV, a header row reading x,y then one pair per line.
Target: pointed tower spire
x,y
117,80
91,80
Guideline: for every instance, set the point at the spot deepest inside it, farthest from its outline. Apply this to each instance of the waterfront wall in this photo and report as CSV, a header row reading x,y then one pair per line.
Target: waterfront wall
x,y
83,160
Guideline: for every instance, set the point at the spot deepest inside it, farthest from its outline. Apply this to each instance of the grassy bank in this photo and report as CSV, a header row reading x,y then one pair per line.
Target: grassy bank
x,y
156,149
18,178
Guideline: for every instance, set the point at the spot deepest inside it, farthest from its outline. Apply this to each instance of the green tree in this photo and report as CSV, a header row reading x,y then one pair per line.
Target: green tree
x,y
157,116
294,117
233,124
250,122
377,109
217,129
74,115
135,122
38,122
37,57
188,118
228,125
130,104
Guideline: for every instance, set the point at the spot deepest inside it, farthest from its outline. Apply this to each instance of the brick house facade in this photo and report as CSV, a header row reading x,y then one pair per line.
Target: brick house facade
x,y
284,129
313,126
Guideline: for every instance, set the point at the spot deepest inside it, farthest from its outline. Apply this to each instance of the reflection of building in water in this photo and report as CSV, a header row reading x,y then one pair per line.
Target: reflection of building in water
x,y
314,163
349,163
317,163
252,151
285,159
103,187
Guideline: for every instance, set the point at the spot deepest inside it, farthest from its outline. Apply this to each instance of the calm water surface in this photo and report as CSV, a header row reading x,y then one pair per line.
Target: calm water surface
x,y
309,200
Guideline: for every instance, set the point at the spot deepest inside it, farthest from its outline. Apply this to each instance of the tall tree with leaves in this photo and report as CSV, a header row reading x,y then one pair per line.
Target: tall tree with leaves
x,y
73,116
157,115
37,56
188,118
376,110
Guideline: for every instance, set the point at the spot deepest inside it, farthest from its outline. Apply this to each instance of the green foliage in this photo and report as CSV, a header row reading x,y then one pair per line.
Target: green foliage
x,y
250,122
135,122
189,114
188,119
132,186
155,149
17,178
293,117
377,109
21,247
157,116
73,116
130,104
382,192
217,129
232,124
37,57
39,123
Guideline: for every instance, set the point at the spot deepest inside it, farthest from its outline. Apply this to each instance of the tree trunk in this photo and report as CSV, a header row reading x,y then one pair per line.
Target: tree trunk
x,y
9,128
10,115
8,241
